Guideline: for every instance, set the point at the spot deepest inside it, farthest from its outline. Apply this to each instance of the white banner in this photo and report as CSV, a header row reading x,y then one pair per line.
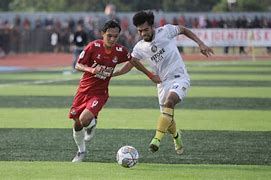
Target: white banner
x,y
228,37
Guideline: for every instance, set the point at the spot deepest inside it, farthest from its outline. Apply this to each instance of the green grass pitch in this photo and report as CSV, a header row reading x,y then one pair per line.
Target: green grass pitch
x,y
225,121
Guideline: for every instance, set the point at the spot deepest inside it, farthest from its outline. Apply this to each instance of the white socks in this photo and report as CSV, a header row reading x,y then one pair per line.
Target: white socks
x,y
78,137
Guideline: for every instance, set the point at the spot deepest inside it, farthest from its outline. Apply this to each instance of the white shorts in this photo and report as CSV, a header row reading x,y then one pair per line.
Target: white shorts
x,y
178,85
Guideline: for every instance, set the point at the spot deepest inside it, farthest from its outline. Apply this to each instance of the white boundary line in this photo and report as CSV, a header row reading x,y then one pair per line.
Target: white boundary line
x,y
36,82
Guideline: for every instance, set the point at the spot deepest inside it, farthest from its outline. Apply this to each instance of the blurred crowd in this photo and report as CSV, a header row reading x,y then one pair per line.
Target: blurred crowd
x,y
53,34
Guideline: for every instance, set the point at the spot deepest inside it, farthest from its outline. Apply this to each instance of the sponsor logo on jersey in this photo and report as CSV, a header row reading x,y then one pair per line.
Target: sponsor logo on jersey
x,y
94,103
82,54
97,44
175,86
154,48
115,59
159,30
73,112
119,49
105,72
157,57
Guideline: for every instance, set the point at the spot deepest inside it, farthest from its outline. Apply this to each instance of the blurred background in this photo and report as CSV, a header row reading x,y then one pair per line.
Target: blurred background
x,y
229,26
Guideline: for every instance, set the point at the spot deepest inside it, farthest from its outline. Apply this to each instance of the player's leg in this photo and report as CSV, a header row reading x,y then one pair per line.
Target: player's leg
x,y
177,138
88,120
165,120
90,131
90,114
162,121
162,125
78,106
84,121
78,136
171,100
177,91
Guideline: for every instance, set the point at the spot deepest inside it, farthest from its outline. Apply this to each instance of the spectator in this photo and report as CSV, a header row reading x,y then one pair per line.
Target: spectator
x,y
242,23
79,41
36,33
162,22
182,21
26,36
54,41
110,13
2,52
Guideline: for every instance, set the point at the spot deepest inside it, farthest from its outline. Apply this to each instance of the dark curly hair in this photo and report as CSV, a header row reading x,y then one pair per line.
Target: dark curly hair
x,y
143,16
111,24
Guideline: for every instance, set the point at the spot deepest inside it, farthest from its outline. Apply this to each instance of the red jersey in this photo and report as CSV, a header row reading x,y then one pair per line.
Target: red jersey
x,y
94,54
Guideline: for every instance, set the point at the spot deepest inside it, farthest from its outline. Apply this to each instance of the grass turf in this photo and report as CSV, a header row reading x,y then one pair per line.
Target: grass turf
x,y
202,147
135,75
93,170
232,120
140,102
66,90
220,77
141,83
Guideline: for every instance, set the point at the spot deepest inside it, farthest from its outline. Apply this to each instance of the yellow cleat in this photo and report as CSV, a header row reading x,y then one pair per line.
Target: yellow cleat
x,y
154,145
178,143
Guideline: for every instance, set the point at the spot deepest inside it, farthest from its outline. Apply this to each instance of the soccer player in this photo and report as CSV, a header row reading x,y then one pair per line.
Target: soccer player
x,y
97,61
158,48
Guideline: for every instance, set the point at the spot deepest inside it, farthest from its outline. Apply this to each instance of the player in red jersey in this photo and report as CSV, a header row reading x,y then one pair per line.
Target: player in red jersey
x,y
97,61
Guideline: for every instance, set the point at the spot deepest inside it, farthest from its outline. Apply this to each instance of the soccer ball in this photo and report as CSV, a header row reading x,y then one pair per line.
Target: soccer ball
x,y
127,156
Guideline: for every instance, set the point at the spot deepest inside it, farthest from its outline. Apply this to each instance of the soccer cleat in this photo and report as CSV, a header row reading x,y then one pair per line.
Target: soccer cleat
x,y
89,132
178,143
154,145
79,157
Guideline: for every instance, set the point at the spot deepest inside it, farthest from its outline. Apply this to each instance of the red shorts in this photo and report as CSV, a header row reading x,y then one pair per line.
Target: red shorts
x,y
93,103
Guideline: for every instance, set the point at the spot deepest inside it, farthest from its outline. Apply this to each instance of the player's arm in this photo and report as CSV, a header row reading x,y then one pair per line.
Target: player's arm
x,y
155,78
83,68
83,60
205,50
123,70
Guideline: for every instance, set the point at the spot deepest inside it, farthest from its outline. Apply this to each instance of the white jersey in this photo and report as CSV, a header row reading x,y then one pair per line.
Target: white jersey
x,y
162,53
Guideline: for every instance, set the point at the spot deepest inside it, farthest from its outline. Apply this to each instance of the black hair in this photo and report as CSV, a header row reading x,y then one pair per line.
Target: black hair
x,y
111,24
143,16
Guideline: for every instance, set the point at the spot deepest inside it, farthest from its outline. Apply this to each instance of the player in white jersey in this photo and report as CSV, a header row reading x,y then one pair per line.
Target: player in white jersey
x,y
159,49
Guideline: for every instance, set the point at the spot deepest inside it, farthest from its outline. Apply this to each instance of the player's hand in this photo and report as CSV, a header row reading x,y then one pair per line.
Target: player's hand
x,y
156,79
98,69
205,50
94,70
